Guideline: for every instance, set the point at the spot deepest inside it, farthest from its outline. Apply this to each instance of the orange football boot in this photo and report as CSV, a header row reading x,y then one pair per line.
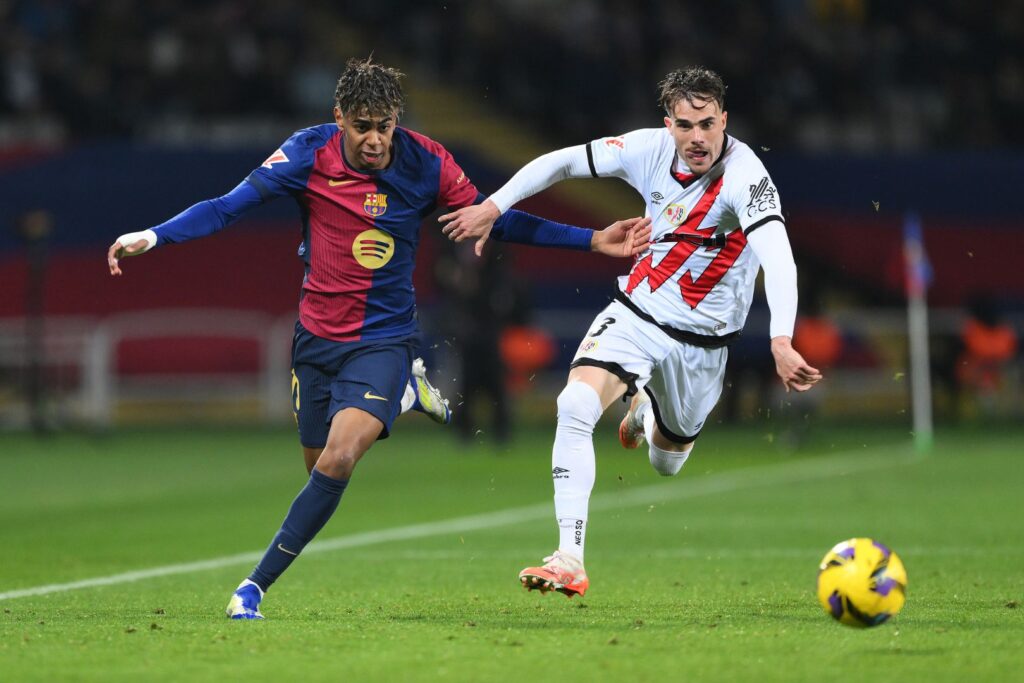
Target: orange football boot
x,y
631,429
560,572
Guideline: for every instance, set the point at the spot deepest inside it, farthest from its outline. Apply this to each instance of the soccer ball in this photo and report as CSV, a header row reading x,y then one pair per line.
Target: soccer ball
x,y
861,583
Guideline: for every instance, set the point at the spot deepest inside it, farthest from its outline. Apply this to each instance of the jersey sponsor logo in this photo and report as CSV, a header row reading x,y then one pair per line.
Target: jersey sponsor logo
x,y
615,142
762,197
278,157
337,183
375,204
675,214
373,248
370,396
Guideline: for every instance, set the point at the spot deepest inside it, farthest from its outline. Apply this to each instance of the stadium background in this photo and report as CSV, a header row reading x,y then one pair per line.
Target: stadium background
x,y
115,116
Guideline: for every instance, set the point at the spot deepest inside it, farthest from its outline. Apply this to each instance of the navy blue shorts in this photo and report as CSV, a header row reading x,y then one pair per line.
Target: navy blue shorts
x,y
328,376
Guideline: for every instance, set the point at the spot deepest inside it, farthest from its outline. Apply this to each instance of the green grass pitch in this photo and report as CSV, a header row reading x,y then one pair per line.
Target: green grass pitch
x,y
708,576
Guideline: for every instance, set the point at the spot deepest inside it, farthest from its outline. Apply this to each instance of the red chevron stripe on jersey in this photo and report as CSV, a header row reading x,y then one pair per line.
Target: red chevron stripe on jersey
x,y
694,291
677,256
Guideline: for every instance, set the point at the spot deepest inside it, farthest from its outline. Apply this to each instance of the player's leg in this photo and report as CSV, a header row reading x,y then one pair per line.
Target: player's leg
x,y
351,435
365,400
586,395
598,378
683,389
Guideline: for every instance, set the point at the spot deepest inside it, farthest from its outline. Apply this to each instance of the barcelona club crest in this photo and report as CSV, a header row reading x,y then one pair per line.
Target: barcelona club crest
x,y
375,204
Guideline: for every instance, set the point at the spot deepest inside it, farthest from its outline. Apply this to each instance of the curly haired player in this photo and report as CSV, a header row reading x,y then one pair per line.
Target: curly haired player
x,y
363,186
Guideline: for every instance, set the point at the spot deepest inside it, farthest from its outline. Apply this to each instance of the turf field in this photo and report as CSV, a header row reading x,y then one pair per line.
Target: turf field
x,y
707,577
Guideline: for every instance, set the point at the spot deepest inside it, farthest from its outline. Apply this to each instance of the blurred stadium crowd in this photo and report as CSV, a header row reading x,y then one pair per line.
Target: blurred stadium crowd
x,y
848,75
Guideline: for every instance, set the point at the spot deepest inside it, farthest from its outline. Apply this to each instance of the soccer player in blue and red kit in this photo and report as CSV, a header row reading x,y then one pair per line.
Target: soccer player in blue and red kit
x,y
363,186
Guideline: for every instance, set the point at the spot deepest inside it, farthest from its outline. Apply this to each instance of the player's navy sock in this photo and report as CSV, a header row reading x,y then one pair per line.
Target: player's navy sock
x,y
309,512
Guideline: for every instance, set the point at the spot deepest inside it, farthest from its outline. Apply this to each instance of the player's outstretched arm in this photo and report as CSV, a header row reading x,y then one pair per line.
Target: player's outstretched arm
x,y
199,220
623,238
129,244
791,367
474,222
771,246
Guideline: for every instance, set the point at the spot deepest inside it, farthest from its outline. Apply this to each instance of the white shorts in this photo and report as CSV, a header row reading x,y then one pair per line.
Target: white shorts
x,y
683,381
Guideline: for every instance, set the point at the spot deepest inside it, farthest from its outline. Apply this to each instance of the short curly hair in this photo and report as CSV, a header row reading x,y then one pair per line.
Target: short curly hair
x,y
368,88
695,83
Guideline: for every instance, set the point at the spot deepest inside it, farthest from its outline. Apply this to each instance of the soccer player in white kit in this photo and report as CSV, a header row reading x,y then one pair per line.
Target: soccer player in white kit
x,y
663,340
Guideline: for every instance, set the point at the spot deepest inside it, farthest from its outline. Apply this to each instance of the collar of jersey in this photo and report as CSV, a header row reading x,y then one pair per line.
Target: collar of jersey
x,y
687,179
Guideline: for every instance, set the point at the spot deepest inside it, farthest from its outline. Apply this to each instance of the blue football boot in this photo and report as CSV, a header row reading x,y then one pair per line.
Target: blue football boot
x,y
245,601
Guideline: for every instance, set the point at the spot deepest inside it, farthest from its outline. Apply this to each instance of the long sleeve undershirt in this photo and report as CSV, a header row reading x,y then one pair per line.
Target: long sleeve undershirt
x,y
212,215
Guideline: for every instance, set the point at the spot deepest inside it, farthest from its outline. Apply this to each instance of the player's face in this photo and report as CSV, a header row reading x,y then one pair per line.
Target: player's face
x,y
698,129
367,139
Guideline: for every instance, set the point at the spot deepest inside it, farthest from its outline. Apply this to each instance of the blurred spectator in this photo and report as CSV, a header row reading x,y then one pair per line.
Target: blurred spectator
x,y
821,74
484,301
989,346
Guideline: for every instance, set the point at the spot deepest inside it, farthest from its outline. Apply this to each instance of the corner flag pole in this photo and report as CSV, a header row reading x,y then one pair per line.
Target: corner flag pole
x,y
918,275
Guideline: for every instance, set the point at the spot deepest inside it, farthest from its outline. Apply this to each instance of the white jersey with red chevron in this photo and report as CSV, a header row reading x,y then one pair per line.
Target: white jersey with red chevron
x,y
698,274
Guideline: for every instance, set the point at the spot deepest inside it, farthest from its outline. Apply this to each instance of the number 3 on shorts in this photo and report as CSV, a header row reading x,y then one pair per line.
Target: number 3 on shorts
x,y
604,326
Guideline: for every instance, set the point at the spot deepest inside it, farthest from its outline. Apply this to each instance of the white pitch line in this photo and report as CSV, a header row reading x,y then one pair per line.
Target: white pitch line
x,y
752,477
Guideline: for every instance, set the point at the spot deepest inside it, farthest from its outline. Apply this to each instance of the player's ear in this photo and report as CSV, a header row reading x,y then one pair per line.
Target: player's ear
x,y
725,119
668,123
339,118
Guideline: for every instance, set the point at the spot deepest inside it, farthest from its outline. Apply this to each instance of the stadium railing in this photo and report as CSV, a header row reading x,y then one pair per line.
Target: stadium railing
x,y
219,366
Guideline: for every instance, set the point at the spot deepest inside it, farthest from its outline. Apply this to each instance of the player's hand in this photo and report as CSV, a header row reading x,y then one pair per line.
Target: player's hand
x,y
471,222
623,238
794,371
129,244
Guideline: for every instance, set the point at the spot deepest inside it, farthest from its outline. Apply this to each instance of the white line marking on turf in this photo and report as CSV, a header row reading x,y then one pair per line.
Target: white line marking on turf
x,y
751,477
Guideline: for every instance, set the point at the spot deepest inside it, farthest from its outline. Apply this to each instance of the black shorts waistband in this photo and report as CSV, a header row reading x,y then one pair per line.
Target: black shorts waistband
x,y
705,341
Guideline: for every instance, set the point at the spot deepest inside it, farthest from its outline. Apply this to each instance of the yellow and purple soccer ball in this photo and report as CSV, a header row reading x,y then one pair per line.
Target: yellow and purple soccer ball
x,y
862,583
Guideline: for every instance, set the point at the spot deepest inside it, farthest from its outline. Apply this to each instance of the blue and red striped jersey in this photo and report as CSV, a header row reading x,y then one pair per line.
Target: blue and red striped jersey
x,y
360,229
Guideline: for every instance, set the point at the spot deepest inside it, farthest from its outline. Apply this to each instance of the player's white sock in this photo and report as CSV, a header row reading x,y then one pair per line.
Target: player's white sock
x,y
572,463
572,536
667,463
408,398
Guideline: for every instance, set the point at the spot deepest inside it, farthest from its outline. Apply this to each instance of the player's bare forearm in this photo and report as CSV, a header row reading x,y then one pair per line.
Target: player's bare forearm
x,y
623,238
791,367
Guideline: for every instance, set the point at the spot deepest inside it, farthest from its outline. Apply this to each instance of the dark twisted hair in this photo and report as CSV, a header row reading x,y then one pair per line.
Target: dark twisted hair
x,y
369,88
694,83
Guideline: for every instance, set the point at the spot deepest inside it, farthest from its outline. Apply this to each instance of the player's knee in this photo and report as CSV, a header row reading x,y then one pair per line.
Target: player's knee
x,y
668,463
338,461
579,407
